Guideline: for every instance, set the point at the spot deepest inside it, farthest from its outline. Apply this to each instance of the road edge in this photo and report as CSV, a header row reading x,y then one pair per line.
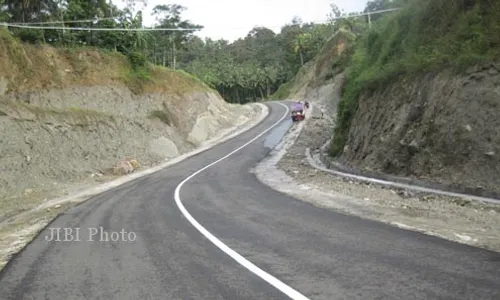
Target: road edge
x,y
270,279
386,181
222,137
80,197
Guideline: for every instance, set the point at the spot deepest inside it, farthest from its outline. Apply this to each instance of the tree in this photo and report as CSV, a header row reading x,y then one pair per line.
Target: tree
x,y
169,16
334,13
377,5
301,45
247,69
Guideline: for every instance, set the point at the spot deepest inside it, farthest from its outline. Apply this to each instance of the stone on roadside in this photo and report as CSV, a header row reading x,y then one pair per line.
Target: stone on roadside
x,y
135,164
123,168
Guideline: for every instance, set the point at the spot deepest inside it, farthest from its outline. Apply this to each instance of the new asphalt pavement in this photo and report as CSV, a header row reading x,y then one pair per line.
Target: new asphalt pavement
x,y
228,236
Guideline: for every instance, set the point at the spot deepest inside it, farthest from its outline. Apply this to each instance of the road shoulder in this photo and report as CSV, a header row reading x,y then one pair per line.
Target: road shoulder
x,y
287,170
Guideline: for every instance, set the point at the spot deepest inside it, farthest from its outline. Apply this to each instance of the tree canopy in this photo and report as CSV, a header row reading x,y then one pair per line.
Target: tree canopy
x,y
250,68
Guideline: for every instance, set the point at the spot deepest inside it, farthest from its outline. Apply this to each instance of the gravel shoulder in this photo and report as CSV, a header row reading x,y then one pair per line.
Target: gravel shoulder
x,y
288,170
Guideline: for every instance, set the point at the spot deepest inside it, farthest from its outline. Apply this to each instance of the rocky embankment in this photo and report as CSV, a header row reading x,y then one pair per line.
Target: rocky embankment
x,y
289,171
439,128
53,140
71,119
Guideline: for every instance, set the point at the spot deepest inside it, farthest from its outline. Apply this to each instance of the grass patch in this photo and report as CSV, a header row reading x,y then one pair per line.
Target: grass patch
x,y
337,53
425,36
301,79
139,73
31,67
140,76
78,64
14,49
136,79
283,91
193,78
341,62
15,52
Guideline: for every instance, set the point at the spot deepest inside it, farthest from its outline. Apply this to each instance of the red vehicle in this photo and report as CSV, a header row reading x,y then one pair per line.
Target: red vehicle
x,y
297,111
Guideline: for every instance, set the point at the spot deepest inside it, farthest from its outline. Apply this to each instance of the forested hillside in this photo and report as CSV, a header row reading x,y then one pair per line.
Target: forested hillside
x,y
250,68
421,95
80,108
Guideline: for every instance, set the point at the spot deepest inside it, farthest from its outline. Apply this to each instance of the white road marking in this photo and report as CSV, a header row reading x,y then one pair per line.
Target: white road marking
x,y
287,290
314,164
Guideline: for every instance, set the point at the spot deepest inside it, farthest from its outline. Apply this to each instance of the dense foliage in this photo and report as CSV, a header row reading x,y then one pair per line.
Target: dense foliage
x,y
247,69
426,36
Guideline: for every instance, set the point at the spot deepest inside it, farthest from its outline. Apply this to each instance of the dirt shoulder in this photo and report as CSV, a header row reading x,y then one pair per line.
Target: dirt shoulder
x,y
451,218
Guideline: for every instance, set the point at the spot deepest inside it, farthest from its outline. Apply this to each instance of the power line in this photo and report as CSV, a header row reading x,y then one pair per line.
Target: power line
x,y
97,28
24,25
365,14
67,21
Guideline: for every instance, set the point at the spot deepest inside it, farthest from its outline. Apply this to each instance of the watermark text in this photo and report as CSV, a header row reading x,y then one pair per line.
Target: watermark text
x,y
66,234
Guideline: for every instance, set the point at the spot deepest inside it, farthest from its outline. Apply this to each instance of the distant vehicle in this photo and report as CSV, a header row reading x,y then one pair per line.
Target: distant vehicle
x,y
297,111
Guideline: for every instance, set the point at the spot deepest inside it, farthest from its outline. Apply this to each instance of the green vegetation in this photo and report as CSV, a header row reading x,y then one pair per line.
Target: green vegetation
x,y
426,36
284,90
248,69
290,88
254,67
13,49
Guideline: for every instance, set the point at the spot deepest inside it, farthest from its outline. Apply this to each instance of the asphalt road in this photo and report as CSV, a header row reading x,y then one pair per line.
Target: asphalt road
x,y
318,253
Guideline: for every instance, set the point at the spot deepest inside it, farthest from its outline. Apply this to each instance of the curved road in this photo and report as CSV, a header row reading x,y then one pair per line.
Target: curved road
x,y
296,249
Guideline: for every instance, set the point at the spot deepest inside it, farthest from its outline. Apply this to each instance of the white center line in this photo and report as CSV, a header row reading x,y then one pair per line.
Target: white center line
x,y
287,290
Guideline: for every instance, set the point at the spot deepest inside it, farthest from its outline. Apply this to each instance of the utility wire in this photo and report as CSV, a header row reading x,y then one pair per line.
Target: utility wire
x,y
24,25
98,28
365,14
67,21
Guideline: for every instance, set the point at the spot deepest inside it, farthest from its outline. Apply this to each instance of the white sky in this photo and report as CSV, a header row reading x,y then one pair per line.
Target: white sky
x,y
232,19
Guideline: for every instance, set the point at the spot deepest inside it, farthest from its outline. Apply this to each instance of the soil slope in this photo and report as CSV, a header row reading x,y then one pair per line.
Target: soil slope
x,y
441,127
74,117
422,97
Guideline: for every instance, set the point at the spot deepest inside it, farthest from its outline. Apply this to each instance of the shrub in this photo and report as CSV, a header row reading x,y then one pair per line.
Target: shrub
x,y
425,36
137,60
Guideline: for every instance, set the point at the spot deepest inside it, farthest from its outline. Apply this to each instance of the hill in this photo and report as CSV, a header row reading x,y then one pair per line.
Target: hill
x,y
420,97
72,117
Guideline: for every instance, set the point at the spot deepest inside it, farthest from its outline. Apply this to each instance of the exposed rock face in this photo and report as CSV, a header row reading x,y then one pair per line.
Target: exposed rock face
x,y
70,137
70,117
443,127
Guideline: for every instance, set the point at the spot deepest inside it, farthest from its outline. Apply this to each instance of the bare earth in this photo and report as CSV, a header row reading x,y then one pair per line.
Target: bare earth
x,y
288,171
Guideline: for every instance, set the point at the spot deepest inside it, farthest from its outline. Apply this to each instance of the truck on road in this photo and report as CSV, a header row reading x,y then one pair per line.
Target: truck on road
x,y
297,111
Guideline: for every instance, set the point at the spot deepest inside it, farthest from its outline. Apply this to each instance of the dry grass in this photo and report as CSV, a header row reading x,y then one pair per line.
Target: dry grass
x,y
29,67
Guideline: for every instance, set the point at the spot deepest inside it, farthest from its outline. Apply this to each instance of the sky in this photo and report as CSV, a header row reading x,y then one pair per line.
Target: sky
x,y
232,19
